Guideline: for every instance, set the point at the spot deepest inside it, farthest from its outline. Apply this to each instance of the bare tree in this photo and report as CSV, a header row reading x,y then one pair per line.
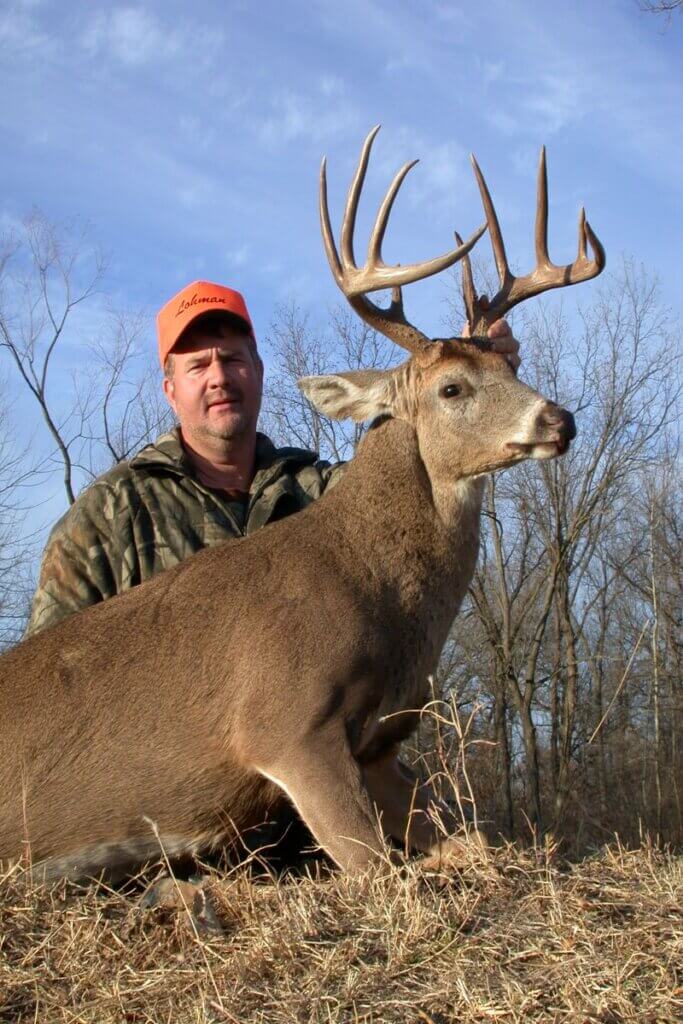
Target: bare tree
x,y
110,409
130,410
654,579
45,275
17,474
301,350
543,598
661,6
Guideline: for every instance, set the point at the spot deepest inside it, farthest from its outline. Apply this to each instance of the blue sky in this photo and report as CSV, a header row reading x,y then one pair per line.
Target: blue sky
x,y
189,136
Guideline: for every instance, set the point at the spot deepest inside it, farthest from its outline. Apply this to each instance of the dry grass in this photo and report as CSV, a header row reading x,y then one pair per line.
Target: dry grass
x,y
533,940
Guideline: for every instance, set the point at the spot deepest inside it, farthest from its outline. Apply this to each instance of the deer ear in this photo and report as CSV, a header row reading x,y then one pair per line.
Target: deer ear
x,y
358,395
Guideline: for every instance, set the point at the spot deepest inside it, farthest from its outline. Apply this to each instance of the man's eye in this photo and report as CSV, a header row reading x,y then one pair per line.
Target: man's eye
x,y
451,391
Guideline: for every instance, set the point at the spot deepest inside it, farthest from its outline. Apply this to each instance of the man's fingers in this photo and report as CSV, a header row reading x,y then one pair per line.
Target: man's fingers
x,y
500,329
502,339
504,342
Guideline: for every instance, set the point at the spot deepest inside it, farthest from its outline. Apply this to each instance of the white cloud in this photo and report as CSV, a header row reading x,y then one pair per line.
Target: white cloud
x,y
556,100
20,34
445,165
238,257
298,286
524,159
191,187
10,225
400,63
130,35
135,37
296,116
442,169
491,71
452,14
191,196
331,85
539,103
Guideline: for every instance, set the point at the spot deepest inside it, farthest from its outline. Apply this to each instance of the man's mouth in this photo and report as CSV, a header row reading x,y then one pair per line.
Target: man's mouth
x,y
221,403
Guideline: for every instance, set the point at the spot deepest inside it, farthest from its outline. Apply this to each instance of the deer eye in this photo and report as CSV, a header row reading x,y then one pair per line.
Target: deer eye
x,y
451,391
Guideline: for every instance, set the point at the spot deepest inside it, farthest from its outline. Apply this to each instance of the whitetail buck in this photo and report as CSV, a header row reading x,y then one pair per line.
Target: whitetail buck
x,y
290,664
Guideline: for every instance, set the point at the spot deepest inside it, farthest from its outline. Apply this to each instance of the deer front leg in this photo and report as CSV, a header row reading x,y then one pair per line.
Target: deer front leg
x,y
325,783
412,814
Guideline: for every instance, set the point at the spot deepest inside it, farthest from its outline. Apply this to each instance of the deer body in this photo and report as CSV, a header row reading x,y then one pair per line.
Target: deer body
x,y
147,727
288,664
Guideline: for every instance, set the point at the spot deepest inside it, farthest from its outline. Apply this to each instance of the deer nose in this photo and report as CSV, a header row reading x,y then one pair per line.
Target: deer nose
x,y
560,420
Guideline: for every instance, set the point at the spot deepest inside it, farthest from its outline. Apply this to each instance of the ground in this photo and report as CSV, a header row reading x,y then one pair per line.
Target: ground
x,y
531,939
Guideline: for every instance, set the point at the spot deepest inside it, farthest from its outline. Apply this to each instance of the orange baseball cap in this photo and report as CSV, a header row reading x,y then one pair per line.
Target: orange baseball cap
x,y
191,302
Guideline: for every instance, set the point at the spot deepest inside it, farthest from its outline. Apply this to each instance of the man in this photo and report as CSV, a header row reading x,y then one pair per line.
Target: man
x,y
211,478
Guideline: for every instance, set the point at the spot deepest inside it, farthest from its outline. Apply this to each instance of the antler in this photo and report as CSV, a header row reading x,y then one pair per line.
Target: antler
x,y
482,313
355,281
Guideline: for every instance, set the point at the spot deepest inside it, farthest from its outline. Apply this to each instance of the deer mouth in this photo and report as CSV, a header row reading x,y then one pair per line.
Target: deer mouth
x,y
539,449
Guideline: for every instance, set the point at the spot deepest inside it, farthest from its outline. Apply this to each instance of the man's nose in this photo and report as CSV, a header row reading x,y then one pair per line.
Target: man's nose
x,y
219,372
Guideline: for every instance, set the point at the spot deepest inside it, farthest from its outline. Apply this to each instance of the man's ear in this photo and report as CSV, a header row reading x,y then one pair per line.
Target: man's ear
x,y
358,395
169,391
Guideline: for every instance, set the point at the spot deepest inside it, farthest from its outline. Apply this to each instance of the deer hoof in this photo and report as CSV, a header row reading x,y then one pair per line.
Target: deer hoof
x,y
458,854
186,900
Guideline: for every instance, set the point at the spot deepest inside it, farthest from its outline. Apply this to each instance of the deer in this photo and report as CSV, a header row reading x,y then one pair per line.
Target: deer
x,y
287,667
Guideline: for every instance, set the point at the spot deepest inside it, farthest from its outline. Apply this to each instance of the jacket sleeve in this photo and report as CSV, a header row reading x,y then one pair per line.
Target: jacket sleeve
x,y
82,562
330,472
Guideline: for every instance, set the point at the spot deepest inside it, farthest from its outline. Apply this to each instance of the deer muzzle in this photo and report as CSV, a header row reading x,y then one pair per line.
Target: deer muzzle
x,y
552,431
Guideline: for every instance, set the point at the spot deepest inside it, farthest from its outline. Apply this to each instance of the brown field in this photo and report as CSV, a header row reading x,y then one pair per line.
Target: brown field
x,y
532,939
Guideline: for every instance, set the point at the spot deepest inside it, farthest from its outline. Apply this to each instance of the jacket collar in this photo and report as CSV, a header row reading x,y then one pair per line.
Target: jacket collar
x,y
167,454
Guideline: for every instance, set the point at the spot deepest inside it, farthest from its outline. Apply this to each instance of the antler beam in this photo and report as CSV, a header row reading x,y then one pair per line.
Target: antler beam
x,y
375,275
546,275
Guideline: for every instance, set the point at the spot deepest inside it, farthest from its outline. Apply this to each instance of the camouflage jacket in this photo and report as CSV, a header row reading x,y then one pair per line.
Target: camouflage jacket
x,y
148,514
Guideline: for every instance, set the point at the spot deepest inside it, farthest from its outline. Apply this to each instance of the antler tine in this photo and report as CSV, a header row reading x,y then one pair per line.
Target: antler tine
x,y
326,227
382,219
495,234
582,234
545,275
586,233
468,292
351,208
541,232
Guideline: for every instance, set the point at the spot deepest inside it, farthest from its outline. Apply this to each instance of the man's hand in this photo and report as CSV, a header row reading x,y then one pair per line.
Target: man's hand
x,y
503,341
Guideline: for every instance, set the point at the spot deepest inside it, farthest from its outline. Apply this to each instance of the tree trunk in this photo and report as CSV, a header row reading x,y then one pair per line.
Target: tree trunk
x,y
570,694
503,764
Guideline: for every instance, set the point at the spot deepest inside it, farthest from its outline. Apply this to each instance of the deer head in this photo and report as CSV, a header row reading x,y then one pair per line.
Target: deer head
x,y
470,412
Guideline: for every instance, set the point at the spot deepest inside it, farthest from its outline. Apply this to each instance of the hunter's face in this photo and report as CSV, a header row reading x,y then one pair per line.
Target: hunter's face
x,y
215,389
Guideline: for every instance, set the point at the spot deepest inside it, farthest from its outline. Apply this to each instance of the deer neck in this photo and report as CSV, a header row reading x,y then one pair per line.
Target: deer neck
x,y
423,538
